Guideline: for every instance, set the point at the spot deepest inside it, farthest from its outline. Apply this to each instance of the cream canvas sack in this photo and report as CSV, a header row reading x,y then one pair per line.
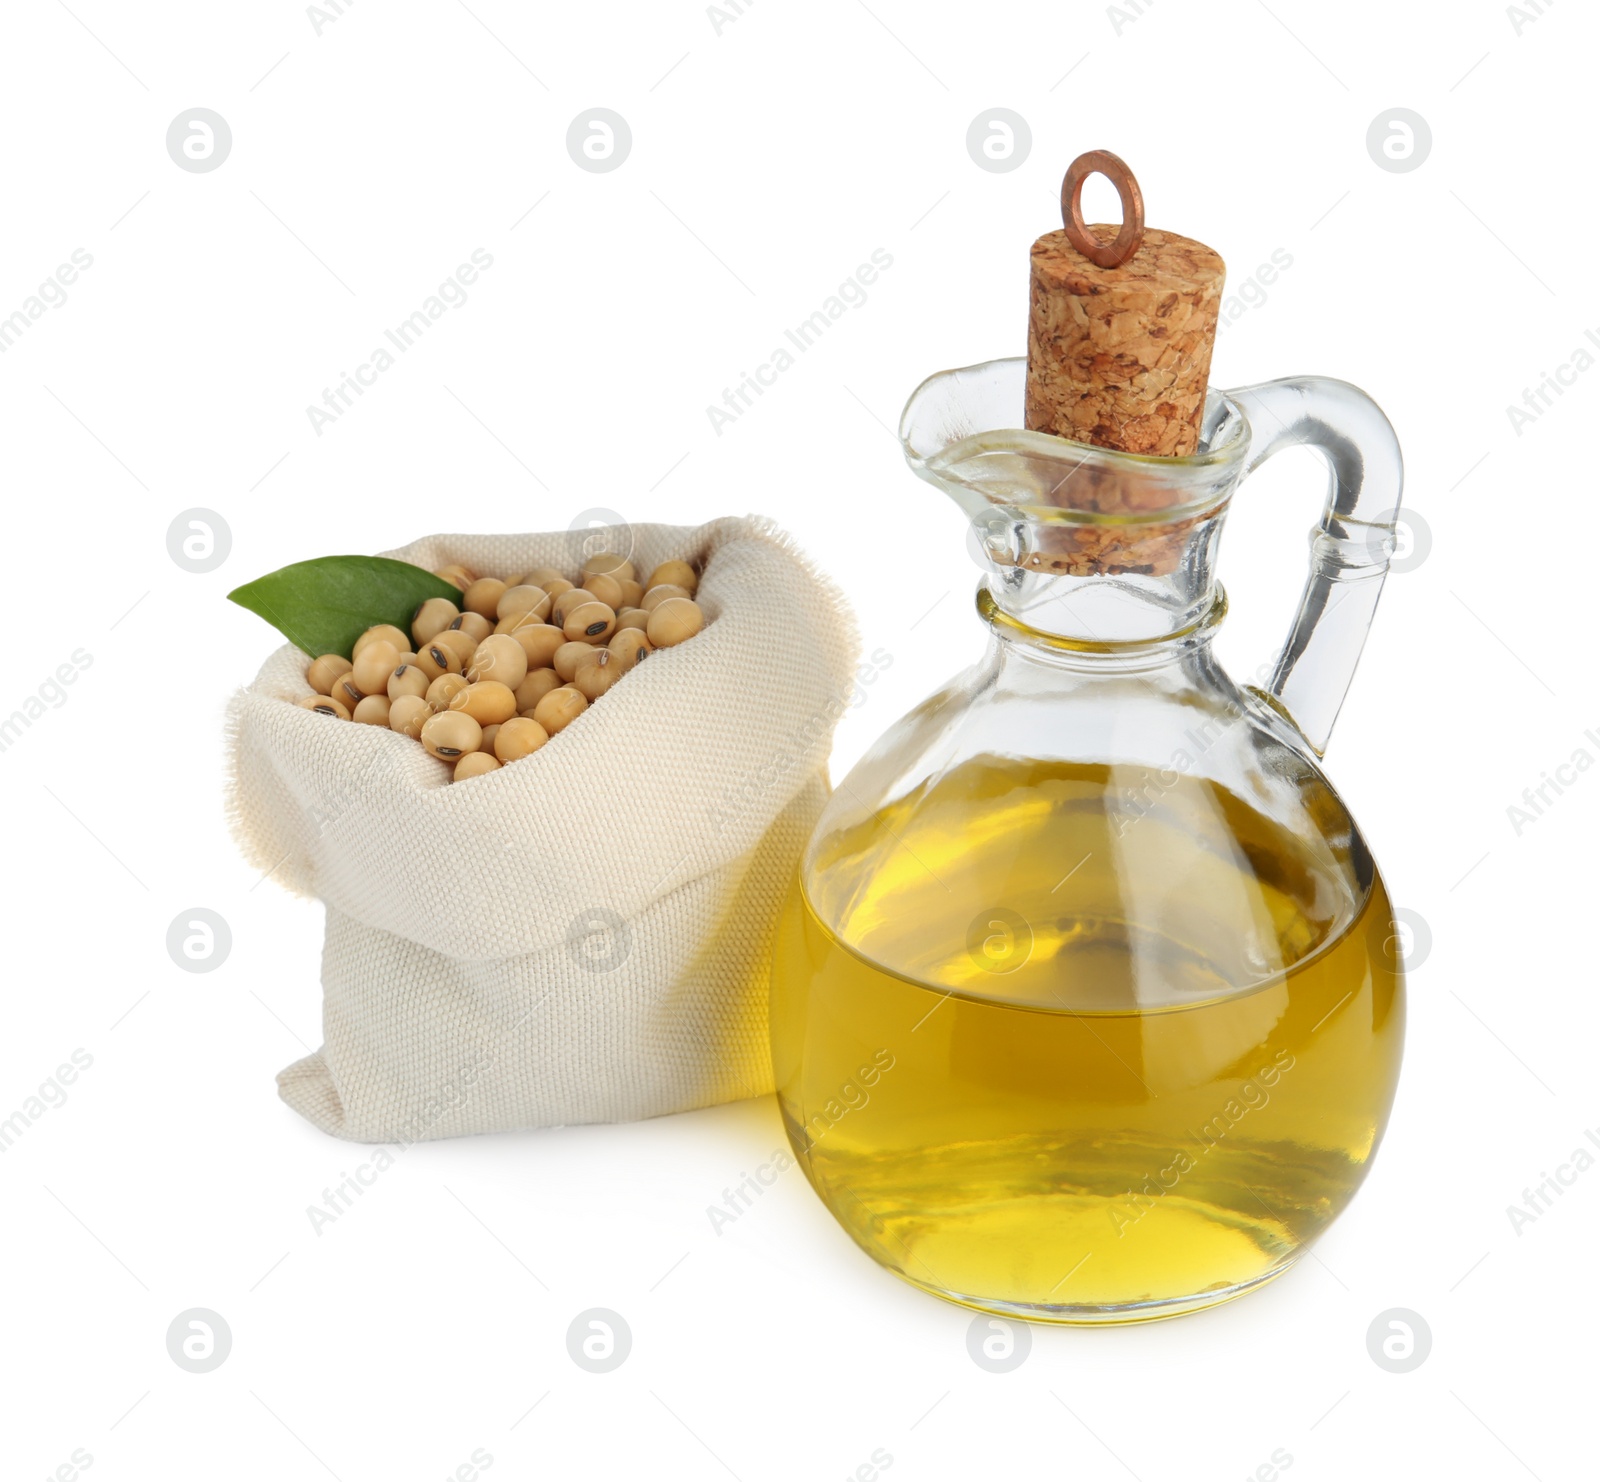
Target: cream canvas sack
x,y
581,936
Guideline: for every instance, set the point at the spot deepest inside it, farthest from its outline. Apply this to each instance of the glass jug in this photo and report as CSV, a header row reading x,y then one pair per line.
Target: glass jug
x,y
1086,1003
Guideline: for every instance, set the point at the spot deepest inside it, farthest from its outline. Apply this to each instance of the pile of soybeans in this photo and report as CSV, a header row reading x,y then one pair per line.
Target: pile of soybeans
x,y
489,680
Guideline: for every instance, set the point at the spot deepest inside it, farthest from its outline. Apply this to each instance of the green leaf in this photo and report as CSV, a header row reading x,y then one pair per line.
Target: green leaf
x,y
323,606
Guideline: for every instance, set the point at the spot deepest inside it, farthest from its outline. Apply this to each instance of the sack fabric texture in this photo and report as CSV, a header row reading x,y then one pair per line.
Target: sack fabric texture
x,y
583,935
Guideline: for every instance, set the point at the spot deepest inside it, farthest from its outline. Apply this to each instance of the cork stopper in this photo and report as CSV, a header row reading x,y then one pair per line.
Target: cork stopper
x,y
1121,324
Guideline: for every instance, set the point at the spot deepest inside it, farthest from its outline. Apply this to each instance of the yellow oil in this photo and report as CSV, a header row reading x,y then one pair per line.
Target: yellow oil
x,y
1052,1056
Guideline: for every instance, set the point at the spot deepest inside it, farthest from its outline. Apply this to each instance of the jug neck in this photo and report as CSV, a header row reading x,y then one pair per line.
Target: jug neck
x,y
1115,638
1126,610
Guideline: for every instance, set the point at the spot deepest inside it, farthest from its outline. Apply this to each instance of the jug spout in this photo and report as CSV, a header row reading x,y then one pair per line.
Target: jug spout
x,y
1083,543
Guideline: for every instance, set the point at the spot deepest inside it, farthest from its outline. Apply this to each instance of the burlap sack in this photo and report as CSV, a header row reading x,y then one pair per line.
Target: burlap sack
x,y
581,936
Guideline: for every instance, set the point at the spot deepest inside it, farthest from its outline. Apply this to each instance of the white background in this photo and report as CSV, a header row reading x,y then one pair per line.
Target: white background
x,y
768,161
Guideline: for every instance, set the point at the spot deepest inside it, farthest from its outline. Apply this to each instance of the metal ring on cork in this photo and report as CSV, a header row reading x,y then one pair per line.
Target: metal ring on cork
x,y
1102,162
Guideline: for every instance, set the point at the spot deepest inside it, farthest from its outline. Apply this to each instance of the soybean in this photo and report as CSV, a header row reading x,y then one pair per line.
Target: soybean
x,y
560,708
511,626
451,734
438,658
407,679
609,563
474,624
500,657
483,595
372,711
325,672
562,605
516,601
674,621
488,702
629,645
605,589
535,687
407,714
566,659
373,666
383,633
519,738
596,677
461,644
434,616
539,642
655,596
323,705
676,574
474,764
593,622
444,689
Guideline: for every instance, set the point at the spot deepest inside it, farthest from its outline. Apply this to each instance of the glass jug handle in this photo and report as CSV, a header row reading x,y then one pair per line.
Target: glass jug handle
x,y
1350,549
